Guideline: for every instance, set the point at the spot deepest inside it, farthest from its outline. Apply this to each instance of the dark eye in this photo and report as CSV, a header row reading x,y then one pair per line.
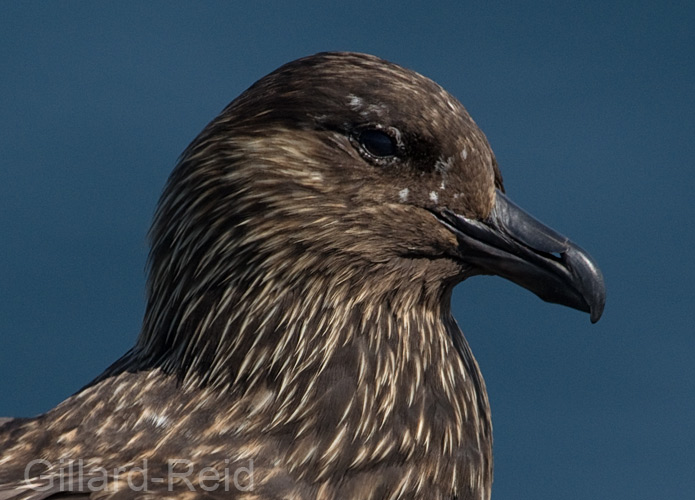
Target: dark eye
x,y
378,143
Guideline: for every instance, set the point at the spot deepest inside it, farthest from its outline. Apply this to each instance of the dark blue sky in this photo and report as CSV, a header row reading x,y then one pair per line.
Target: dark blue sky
x,y
589,107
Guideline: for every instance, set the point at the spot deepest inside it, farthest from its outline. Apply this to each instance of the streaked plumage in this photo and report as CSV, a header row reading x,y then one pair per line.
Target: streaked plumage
x,y
303,257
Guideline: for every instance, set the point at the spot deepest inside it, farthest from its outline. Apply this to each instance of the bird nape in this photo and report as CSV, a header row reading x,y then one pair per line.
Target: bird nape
x,y
298,341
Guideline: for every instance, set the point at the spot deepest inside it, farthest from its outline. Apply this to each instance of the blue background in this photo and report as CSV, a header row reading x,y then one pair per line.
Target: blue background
x,y
589,107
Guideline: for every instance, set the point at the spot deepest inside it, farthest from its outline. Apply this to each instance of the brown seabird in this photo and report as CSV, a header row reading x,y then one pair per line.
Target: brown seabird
x,y
298,341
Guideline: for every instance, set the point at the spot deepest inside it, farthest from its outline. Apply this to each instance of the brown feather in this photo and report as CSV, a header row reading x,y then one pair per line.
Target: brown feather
x,y
298,306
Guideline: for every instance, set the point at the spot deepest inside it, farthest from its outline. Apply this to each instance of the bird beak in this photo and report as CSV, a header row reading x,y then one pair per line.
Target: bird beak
x,y
512,244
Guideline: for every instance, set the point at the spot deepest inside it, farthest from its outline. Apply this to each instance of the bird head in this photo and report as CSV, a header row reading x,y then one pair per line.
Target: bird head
x,y
345,168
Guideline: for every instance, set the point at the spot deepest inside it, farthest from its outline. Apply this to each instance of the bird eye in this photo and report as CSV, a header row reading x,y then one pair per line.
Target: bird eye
x,y
378,143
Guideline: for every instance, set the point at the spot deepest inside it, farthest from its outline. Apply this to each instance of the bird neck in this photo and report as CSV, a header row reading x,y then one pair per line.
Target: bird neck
x,y
343,378
236,334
